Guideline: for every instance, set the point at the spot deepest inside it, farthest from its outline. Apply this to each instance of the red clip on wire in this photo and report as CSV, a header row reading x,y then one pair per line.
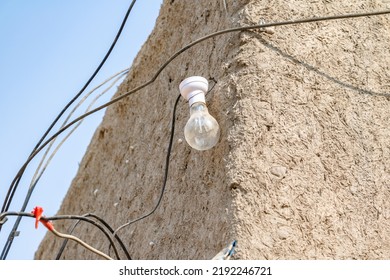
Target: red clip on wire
x,y
37,212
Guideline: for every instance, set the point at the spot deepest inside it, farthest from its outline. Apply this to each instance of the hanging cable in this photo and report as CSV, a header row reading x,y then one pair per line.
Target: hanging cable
x,y
167,159
116,77
78,240
162,190
88,220
73,227
15,183
170,144
165,172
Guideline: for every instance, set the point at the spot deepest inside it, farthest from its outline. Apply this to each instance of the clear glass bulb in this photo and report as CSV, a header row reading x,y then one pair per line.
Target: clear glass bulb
x,y
202,130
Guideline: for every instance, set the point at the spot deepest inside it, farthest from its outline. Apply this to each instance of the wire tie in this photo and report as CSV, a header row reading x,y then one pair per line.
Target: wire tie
x,y
37,212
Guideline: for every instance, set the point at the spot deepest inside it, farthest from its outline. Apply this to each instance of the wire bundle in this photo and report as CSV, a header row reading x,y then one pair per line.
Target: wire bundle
x,y
42,143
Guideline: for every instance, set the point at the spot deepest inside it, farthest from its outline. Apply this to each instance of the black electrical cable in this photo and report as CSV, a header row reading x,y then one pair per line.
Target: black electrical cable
x,y
4,215
10,193
15,183
86,219
165,172
166,166
112,231
70,231
73,227
169,150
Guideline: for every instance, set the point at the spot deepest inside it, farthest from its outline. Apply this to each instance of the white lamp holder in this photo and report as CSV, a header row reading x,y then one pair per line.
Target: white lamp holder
x,y
194,89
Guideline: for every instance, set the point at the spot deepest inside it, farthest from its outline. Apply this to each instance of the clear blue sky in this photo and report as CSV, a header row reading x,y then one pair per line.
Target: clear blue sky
x,y
48,51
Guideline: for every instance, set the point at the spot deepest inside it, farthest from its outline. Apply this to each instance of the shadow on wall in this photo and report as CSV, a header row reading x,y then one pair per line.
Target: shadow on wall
x,y
318,71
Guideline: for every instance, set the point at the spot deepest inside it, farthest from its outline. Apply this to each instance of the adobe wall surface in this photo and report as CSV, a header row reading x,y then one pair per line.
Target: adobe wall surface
x,y
302,167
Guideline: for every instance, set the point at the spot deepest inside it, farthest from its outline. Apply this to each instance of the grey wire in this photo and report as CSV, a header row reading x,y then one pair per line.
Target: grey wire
x,y
78,240
119,75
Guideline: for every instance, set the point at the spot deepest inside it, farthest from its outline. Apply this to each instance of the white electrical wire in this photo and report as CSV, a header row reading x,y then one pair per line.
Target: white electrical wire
x,y
41,169
78,240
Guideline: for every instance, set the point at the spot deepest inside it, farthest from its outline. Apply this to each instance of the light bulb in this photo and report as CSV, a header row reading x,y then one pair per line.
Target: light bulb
x,y
202,130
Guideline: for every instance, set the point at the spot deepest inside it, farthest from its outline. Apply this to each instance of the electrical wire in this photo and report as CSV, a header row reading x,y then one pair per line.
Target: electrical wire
x,y
164,180
170,144
64,243
78,240
83,218
15,183
116,78
73,227
41,169
167,159
165,172
4,215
